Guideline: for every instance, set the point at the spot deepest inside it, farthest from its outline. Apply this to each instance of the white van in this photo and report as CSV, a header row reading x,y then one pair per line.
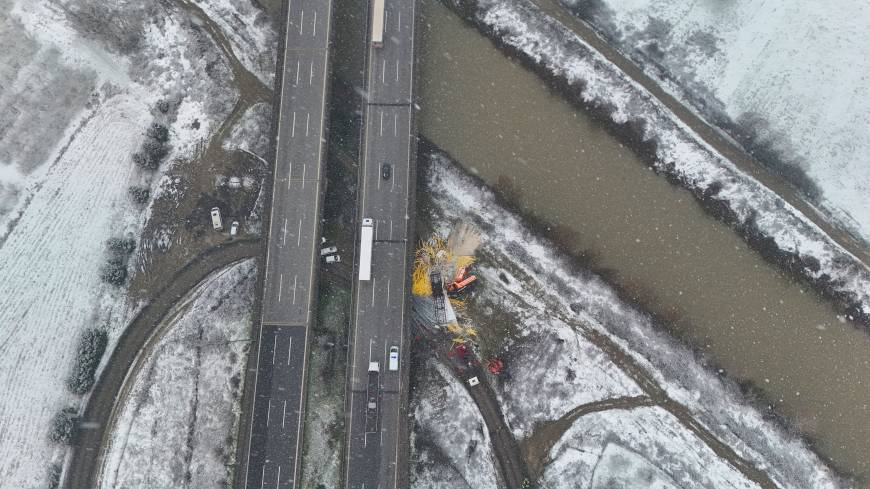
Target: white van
x,y
394,358
216,219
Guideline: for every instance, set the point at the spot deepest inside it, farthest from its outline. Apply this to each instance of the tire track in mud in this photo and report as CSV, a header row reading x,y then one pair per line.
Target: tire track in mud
x,y
251,89
658,397
536,448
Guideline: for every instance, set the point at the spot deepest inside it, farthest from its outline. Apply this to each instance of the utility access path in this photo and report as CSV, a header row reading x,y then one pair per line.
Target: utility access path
x,y
292,255
376,447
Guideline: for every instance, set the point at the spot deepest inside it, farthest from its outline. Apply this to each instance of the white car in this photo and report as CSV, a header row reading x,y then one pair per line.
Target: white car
x,y
234,228
328,250
333,259
394,358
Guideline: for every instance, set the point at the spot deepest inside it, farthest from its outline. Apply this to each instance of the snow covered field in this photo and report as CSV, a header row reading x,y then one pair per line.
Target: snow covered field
x,y
753,208
577,371
528,279
644,447
783,77
451,445
179,421
78,89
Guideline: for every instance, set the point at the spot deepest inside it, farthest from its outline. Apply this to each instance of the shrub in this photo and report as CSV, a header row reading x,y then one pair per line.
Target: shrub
x,y
114,271
163,106
158,132
151,154
91,348
122,246
54,472
140,195
155,150
63,427
141,160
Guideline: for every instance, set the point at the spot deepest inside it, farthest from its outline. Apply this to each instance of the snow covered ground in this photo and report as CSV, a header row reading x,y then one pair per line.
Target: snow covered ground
x,y
679,153
644,447
451,447
249,30
790,77
178,424
78,89
251,131
534,270
577,372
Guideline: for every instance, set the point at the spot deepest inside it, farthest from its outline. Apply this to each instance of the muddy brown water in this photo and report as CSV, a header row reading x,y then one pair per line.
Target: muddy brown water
x,y
655,241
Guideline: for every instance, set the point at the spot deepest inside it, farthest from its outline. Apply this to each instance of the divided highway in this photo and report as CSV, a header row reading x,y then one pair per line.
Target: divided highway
x,y
292,256
377,435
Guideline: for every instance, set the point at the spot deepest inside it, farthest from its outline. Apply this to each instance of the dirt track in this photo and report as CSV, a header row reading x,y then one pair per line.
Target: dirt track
x,y
95,423
510,462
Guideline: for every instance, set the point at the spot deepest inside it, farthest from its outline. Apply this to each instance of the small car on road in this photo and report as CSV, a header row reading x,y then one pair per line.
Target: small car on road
x,y
386,171
234,228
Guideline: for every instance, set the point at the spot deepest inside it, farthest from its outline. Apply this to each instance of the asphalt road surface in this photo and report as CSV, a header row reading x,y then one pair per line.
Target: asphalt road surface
x,y
375,451
292,255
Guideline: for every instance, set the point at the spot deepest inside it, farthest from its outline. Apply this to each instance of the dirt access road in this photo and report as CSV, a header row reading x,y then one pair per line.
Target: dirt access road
x,y
96,422
511,464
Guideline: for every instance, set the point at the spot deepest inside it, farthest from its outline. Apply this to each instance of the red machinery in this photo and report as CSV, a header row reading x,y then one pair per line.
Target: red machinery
x,y
460,281
495,366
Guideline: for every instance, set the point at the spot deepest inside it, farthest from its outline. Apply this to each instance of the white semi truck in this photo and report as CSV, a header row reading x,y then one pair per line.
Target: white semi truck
x,y
366,240
378,23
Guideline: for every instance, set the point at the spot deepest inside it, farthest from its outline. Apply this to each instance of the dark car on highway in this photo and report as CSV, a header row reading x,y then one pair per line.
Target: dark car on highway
x,y
386,171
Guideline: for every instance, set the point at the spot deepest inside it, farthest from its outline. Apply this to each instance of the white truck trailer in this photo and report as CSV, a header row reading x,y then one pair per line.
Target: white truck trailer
x,y
378,23
367,236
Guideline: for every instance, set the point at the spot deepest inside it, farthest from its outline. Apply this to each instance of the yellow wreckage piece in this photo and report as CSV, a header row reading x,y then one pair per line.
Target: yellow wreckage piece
x,y
420,285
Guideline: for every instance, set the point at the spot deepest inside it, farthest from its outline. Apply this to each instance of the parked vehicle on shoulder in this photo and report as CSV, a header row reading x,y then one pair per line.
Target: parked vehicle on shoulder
x,y
328,250
216,219
333,259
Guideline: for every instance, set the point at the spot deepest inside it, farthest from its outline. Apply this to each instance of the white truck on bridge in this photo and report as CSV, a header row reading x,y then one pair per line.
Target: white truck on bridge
x,y
365,249
378,23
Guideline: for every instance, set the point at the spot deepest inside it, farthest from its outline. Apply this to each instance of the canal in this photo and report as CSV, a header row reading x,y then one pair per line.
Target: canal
x,y
649,238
